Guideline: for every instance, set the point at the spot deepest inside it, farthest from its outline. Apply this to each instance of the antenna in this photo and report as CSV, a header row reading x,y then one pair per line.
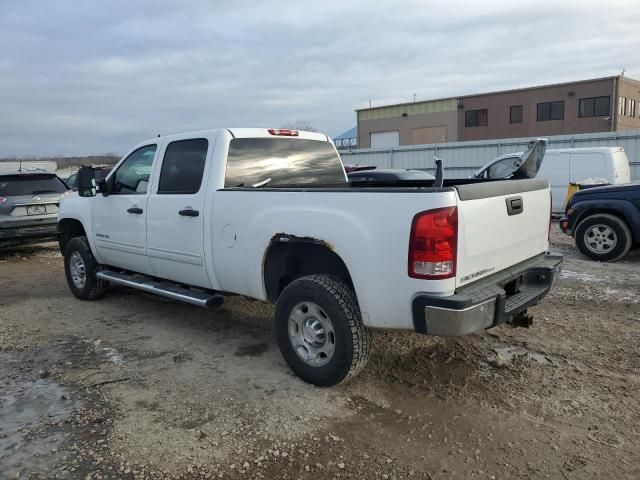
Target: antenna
x,y
624,70
414,98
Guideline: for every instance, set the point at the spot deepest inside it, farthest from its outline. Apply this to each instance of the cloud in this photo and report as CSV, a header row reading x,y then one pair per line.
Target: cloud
x,y
95,77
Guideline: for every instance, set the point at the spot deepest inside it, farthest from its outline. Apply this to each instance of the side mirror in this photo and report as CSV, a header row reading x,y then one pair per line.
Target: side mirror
x,y
86,182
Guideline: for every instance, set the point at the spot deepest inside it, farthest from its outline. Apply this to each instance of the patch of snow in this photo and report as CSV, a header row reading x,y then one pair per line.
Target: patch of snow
x,y
585,277
111,353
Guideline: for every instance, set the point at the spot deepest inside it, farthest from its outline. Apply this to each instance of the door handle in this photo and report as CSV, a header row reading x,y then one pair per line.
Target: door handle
x,y
189,212
135,210
515,205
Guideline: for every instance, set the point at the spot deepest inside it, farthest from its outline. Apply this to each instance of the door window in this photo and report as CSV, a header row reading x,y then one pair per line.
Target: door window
x,y
183,166
132,176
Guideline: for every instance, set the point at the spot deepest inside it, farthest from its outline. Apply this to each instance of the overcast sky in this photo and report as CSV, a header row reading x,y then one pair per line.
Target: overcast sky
x,y
91,77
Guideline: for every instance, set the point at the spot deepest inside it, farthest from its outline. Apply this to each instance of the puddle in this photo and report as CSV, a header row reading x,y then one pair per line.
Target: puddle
x,y
28,406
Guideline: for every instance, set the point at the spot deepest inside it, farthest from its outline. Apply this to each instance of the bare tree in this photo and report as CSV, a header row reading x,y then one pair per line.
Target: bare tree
x,y
300,125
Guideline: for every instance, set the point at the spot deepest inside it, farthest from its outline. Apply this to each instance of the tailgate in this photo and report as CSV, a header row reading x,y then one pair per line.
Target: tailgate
x,y
499,225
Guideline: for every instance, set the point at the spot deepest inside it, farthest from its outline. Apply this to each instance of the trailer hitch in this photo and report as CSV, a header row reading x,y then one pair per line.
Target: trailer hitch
x,y
522,319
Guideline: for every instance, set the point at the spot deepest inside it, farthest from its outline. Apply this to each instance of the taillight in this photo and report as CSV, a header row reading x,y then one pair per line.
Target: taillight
x,y
433,244
283,132
2,200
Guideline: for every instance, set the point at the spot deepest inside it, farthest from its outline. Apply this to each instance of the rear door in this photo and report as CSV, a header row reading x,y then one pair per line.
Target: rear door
x,y
175,221
500,224
556,167
621,170
589,165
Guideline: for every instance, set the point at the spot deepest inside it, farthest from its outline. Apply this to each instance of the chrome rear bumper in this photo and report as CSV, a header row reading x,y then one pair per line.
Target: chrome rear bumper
x,y
488,302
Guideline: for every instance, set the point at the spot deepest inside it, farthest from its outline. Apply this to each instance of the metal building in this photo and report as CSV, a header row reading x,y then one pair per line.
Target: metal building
x,y
588,106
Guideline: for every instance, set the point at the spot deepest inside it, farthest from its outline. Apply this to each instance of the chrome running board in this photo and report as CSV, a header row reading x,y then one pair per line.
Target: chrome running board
x,y
164,289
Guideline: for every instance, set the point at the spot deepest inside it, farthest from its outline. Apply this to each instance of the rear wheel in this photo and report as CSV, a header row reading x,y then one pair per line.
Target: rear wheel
x,y
319,330
80,268
603,237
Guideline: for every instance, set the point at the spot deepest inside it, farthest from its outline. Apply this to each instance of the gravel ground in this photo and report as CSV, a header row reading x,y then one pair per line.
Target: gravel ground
x,y
135,386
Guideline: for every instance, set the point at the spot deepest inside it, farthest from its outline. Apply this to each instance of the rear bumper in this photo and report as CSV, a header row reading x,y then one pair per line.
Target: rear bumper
x,y
489,302
29,232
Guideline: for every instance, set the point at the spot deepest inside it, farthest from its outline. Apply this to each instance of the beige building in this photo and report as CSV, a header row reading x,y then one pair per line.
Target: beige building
x,y
587,106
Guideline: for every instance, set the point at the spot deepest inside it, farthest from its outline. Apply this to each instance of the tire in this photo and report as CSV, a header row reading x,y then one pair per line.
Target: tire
x,y
79,259
603,237
336,350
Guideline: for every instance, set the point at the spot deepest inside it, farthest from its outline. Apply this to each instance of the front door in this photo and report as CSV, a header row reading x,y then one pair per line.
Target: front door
x,y
175,221
119,219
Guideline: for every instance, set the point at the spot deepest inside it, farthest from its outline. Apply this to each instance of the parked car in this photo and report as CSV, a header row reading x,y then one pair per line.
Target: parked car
x,y
604,221
566,165
101,174
29,206
269,214
388,175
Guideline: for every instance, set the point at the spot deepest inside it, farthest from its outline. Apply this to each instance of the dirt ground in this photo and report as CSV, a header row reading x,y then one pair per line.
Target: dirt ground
x,y
135,386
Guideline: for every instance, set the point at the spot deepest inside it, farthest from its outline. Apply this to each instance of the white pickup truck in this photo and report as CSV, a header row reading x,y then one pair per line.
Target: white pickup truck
x,y
269,214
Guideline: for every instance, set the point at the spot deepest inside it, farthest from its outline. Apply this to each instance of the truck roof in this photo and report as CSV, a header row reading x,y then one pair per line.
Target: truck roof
x,y
254,132
586,149
569,150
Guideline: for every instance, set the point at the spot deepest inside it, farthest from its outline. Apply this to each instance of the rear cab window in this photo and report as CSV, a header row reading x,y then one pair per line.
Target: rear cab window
x,y
280,162
24,185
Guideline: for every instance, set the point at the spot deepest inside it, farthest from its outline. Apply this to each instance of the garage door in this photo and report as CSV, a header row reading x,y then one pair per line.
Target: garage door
x,y
429,135
385,139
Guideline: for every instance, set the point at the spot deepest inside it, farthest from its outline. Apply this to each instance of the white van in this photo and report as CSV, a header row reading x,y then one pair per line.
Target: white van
x,y
575,165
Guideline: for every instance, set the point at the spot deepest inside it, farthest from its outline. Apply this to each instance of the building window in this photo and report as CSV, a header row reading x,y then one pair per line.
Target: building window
x,y
595,107
476,118
621,102
515,115
632,108
551,111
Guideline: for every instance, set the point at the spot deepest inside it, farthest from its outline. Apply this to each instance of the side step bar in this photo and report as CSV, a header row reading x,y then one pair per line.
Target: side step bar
x,y
165,289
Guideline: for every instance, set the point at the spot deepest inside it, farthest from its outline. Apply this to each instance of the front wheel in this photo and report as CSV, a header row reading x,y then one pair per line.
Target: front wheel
x,y
80,268
603,237
319,330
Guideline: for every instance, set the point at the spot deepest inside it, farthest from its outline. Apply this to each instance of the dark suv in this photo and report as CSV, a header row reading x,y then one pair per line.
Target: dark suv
x,y
29,206
605,221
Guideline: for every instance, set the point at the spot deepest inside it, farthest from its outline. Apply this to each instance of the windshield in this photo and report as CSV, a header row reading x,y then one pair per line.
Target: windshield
x,y
272,162
17,185
504,168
